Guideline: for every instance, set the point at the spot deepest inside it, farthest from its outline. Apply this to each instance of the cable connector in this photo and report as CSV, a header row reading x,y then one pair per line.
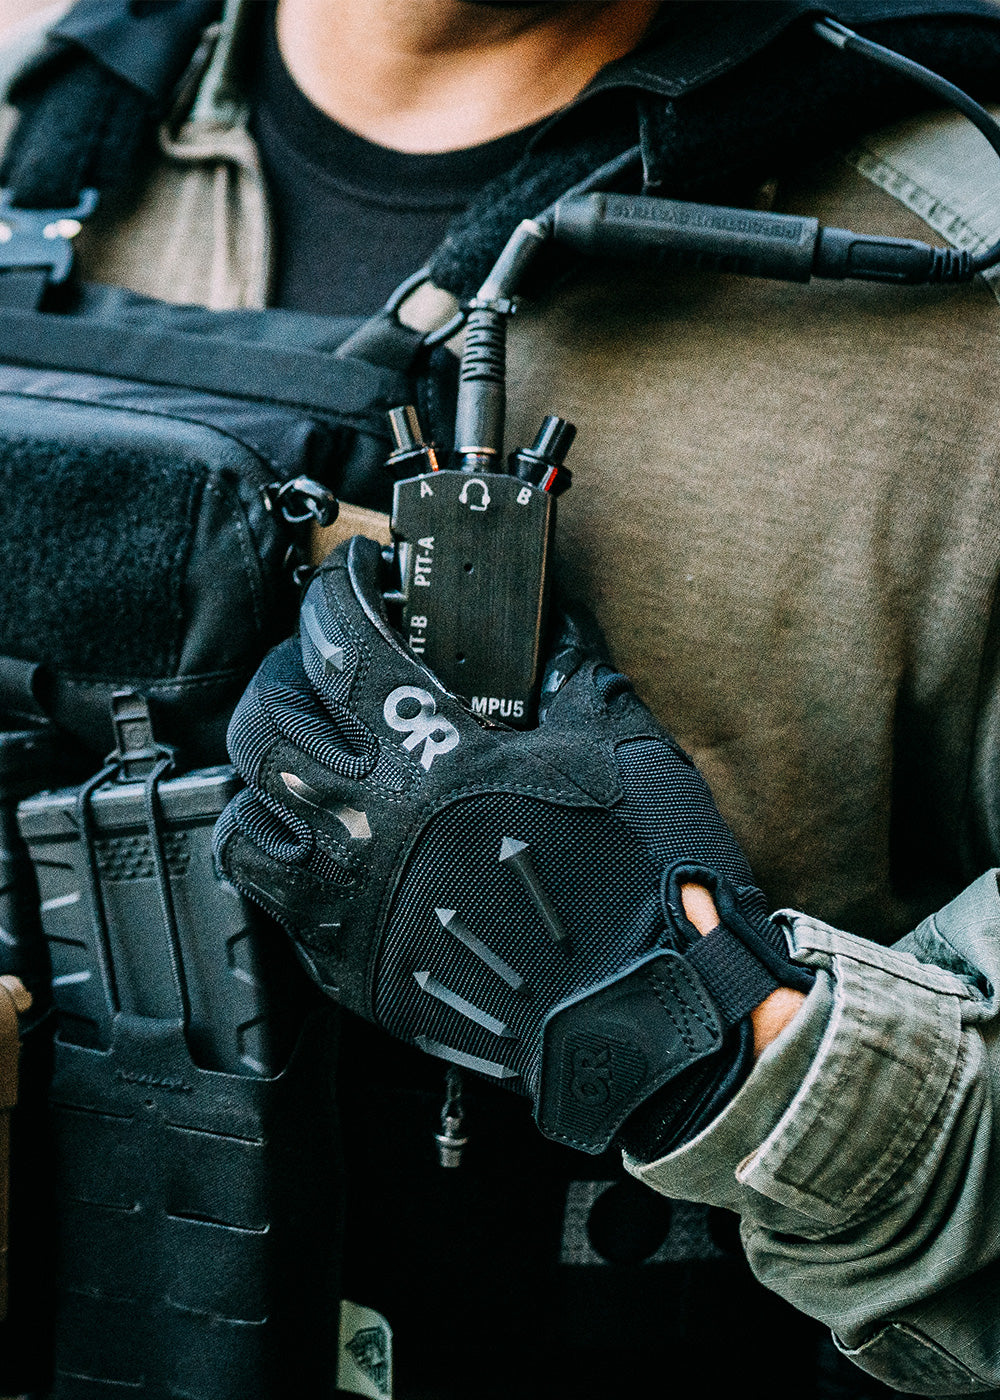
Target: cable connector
x,y
868,257
754,242
542,464
941,268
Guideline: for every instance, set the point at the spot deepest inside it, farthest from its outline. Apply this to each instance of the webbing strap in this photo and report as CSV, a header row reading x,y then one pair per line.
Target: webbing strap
x,y
90,101
79,126
146,45
81,129
88,105
350,391
736,980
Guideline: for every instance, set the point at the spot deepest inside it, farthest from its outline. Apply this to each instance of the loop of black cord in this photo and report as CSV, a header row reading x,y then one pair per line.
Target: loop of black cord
x,y
86,827
155,831
454,1085
842,37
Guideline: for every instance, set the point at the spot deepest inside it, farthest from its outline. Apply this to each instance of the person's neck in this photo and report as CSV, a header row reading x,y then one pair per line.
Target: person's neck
x,y
439,75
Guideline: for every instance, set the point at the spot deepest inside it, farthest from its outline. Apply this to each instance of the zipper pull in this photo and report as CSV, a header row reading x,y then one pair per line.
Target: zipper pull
x,y
451,1140
300,500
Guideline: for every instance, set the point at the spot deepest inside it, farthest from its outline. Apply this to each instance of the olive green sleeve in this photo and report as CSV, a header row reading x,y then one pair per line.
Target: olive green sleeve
x,y
863,1153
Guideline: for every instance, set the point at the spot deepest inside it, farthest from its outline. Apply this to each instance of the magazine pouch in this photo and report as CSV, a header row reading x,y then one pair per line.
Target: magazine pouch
x,y
193,1232
198,1216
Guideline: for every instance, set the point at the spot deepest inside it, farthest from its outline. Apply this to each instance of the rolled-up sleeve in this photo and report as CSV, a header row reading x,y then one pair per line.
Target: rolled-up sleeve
x,y
863,1152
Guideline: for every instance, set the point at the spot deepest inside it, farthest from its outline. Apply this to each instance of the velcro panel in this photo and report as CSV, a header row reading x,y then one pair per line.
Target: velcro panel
x,y
94,540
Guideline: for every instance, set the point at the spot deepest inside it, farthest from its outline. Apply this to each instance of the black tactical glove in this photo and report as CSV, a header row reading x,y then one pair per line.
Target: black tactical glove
x,y
509,902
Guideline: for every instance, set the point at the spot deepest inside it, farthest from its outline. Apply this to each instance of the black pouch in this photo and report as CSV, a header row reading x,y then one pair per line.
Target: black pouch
x,y
145,540
201,1260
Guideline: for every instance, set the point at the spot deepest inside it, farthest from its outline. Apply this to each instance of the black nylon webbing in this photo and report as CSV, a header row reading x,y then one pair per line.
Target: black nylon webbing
x,y
736,980
22,289
80,126
349,390
89,102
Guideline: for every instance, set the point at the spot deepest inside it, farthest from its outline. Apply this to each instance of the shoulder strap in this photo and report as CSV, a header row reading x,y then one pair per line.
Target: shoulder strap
x,y
90,100
88,104
939,167
791,104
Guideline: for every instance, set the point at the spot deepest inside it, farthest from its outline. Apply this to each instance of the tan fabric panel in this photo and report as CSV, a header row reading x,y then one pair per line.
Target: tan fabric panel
x,y
784,514
351,520
945,171
201,232
13,999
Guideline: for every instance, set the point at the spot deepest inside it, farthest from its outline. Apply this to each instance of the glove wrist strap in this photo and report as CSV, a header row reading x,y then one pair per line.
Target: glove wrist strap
x,y
607,1050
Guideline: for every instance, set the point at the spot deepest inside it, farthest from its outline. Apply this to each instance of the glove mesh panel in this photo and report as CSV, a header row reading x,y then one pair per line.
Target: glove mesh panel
x,y
602,871
602,882
670,808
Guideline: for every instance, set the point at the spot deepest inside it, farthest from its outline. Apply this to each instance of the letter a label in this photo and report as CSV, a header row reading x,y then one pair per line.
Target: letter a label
x,y
425,489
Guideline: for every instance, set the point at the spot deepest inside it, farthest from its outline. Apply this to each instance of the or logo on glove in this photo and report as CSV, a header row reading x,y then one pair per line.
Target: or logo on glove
x,y
508,901
422,727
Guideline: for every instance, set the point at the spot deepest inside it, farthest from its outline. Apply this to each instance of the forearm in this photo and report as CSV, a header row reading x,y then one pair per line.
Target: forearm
x,y
861,1152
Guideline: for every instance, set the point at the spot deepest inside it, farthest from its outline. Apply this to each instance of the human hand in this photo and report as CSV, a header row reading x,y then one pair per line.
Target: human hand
x,y
508,901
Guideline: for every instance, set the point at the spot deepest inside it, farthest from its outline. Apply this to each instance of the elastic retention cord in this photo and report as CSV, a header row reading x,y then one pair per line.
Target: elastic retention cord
x,y
154,826
843,38
453,1086
86,827
451,1140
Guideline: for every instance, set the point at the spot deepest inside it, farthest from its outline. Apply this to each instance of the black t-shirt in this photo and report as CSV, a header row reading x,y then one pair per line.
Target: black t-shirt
x,y
353,219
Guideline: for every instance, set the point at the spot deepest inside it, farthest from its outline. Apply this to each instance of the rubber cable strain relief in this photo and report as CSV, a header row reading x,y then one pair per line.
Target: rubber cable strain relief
x,y
484,356
951,265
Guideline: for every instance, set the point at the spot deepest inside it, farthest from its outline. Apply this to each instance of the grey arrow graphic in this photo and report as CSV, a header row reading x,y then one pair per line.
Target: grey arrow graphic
x,y
333,656
468,1009
459,1057
464,934
356,822
517,855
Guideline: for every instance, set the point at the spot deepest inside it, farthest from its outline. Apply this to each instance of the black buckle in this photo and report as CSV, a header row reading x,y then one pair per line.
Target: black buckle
x,y
138,751
40,239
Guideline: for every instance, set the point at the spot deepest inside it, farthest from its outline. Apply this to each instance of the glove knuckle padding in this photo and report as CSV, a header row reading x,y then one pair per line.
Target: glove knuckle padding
x,y
501,899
